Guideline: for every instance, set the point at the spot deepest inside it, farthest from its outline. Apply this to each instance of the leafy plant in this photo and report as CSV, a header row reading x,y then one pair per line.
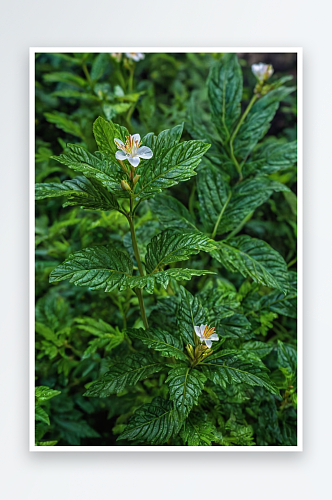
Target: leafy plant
x,y
165,377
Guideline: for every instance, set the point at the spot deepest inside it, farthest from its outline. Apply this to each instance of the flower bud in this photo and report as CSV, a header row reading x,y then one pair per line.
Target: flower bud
x,y
262,71
125,186
135,180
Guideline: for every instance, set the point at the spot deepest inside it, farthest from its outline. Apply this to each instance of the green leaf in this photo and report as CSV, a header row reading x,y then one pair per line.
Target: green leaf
x,y
107,337
63,122
213,192
88,194
65,77
105,132
235,326
225,94
172,213
238,369
280,303
172,246
190,313
126,372
101,267
162,278
159,340
105,268
258,120
197,431
287,358
107,171
272,158
43,393
155,423
99,66
253,258
185,386
171,167
260,349
222,210
41,415
164,141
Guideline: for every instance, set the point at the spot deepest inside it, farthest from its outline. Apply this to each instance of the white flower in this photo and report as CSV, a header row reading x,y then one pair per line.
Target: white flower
x,y
132,150
206,334
136,56
262,71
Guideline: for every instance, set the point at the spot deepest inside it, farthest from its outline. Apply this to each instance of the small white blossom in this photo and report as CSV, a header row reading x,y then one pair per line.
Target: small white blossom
x,y
132,150
262,71
135,56
206,334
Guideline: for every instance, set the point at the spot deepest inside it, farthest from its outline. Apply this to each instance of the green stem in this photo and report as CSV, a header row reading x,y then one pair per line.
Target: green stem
x,y
220,216
192,200
87,75
240,226
138,291
243,117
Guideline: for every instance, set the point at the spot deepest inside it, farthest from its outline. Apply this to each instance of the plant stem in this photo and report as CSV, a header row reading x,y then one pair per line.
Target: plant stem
x,y
243,117
138,291
87,75
220,216
139,294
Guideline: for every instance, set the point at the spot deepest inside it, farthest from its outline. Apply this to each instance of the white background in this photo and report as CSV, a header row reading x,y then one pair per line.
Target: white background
x,y
172,475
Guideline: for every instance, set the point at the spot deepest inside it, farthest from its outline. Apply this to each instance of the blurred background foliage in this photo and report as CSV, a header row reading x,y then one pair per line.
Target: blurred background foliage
x,y
76,329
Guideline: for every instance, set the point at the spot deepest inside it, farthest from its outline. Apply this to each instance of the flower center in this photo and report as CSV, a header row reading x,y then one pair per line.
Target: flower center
x,y
208,332
131,146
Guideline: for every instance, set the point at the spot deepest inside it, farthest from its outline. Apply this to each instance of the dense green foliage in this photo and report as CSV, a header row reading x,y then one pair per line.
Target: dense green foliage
x,y
130,259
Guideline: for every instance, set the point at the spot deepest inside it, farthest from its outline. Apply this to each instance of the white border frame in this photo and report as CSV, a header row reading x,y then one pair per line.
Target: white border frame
x,y
32,447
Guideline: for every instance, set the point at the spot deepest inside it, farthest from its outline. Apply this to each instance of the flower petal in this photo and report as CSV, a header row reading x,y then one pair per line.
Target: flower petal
x,y
208,343
203,329
118,143
214,336
144,152
198,331
120,155
134,161
136,138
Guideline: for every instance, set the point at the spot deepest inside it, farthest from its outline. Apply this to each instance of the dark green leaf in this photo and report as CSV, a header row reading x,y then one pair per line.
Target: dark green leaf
x,y
105,132
272,158
185,386
253,258
197,431
172,246
237,369
175,165
154,423
190,313
127,372
258,120
225,94
102,267
65,123
168,345
89,194
107,171
172,213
